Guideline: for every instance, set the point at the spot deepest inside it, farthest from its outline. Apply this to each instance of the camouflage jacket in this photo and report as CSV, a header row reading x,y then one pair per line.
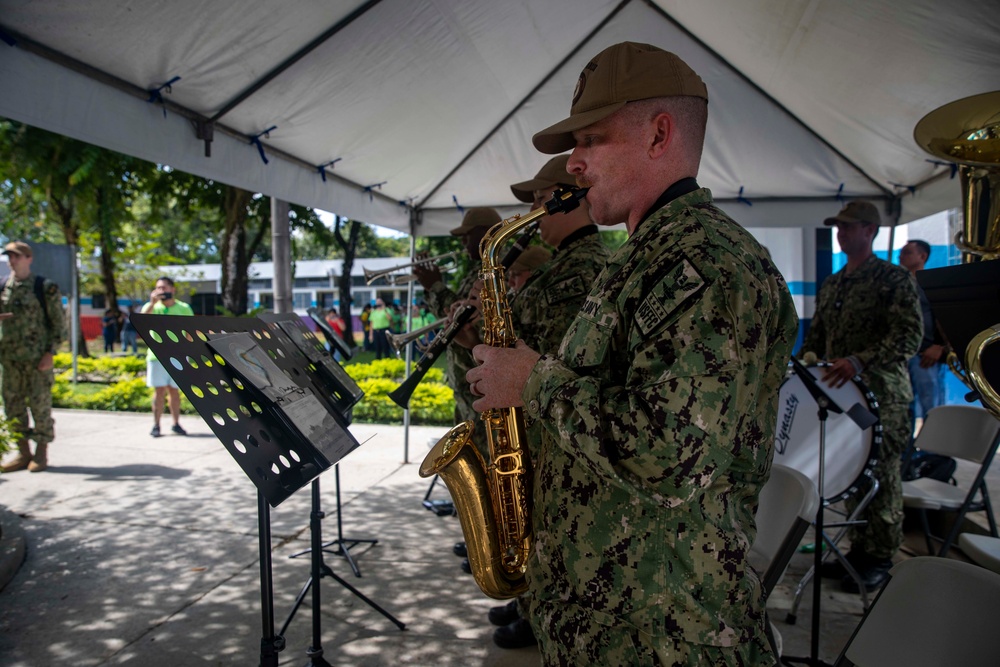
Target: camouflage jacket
x,y
663,399
545,307
872,315
26,337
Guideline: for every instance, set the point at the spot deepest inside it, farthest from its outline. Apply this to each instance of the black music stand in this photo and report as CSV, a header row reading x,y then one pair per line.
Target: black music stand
x,y
864,419
336,342
277,456
343,386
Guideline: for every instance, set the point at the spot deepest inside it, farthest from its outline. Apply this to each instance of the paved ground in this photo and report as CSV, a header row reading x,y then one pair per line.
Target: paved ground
x,y
145,552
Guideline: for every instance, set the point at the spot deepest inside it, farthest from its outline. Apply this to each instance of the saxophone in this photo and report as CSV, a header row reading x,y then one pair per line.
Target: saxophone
x,y
493,499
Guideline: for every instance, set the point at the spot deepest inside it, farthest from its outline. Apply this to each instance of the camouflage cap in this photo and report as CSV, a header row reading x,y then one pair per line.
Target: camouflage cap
x,y
17,248
529,260
861,211
617,75
476,217
552,174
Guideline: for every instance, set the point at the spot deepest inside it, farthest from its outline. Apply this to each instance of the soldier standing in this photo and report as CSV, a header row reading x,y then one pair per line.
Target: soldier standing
x,y
541,313
868,323
33,325
662,398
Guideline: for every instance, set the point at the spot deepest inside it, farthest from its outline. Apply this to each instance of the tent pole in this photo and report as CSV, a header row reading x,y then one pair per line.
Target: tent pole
x,y
411,290
282,250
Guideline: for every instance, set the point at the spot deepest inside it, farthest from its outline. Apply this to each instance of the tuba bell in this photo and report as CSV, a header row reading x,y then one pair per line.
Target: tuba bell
x,y
966,132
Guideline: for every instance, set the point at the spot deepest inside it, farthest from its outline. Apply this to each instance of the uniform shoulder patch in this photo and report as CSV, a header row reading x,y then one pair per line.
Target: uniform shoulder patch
x,y
51,287
567,289
670,294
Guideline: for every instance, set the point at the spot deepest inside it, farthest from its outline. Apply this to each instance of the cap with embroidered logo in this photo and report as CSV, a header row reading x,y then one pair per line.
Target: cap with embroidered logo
x,y
861,211
18,248
617,75
552,174
476,217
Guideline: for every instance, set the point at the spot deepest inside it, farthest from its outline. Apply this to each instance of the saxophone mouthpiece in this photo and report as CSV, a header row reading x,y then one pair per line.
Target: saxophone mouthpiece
x,y
564,201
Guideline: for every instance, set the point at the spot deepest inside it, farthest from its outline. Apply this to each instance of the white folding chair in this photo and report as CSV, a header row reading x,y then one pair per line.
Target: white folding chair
x,y
788,505
981,549
931,612
962,432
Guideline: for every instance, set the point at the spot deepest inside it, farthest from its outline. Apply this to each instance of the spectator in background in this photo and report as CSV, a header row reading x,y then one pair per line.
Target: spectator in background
x,y
129,334
33,327
366,328
109,329
380,319
162,302
927,375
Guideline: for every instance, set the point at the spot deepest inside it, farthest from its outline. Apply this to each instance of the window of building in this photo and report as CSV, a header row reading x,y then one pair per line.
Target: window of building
x,y
302,300
266,300
98,301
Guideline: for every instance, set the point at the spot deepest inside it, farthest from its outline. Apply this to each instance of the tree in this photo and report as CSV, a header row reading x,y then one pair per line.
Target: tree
x,y
348,247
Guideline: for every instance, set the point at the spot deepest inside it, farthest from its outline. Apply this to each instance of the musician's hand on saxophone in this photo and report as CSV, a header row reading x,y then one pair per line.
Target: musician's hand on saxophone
x,y
501,375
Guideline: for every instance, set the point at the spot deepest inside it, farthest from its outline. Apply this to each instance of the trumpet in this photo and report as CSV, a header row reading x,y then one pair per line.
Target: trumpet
x,y
372,276
399,341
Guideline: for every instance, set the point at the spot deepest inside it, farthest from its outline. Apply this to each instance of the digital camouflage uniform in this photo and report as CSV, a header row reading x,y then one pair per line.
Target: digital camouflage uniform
x,y
873,315
24,339
459,360
662,400
545,307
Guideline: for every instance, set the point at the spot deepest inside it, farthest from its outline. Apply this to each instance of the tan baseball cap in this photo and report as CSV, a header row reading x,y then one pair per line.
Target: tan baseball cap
x,y
552,174
532,258
476,217
617,75
856,211
17,247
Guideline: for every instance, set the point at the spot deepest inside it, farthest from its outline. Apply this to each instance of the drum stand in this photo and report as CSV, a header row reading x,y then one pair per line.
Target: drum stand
x,y
864,419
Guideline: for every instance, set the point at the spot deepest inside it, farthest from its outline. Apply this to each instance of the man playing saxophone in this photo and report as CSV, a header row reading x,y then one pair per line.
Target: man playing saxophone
x,y
661,399
542,312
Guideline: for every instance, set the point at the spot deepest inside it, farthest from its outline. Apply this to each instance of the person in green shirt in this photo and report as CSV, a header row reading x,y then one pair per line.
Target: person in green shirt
x,y
379,320
162,302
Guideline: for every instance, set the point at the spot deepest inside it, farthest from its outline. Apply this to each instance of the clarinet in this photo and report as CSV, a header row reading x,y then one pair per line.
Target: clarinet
x,y
401,394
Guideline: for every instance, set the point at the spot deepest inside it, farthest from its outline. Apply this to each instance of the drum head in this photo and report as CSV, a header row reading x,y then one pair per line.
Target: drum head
x,y
850,452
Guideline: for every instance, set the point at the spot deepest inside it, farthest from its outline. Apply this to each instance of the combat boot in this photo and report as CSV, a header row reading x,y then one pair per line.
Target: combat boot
x,y
39,461
23,458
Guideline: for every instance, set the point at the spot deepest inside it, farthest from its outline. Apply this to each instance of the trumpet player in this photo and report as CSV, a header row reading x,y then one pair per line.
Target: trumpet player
x,y
541,314
660,402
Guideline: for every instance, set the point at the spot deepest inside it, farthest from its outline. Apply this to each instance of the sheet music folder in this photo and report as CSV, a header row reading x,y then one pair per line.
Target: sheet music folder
x,y
965,300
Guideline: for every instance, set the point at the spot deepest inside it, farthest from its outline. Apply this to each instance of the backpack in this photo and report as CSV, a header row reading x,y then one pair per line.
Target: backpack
x,y
40,295
934,466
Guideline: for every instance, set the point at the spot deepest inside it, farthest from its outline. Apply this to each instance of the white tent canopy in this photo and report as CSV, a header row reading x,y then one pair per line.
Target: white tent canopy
x,y
427,105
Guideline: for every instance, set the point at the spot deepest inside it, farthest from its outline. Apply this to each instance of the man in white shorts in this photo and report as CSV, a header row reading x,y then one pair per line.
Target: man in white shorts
x,y
162,302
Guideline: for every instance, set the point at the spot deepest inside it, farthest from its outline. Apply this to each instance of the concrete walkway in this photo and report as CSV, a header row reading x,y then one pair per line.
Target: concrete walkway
x,y
144,551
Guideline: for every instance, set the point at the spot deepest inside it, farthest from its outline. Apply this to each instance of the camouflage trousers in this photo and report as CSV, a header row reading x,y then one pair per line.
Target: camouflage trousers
x,y
883,533
24,387
567,639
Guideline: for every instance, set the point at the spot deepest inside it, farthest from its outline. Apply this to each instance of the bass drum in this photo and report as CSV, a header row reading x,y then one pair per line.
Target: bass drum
x,y
851,453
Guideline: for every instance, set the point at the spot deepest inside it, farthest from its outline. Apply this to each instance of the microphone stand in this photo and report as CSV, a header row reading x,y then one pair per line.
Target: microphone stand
x,y
864,419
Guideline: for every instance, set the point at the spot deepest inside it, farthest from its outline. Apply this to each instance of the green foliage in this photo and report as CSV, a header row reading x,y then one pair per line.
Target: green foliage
x,y
126,396
9,434
390,369
99,369
432,404
614,239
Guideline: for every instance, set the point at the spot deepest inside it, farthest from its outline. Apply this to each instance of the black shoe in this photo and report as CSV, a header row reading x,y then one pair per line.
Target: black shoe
x,y
834,569
460,550
155,432
515,635
504,614
873,575
176,428
466,567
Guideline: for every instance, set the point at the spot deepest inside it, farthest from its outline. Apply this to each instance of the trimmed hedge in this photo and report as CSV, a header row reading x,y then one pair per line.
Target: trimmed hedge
x,y
432,403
